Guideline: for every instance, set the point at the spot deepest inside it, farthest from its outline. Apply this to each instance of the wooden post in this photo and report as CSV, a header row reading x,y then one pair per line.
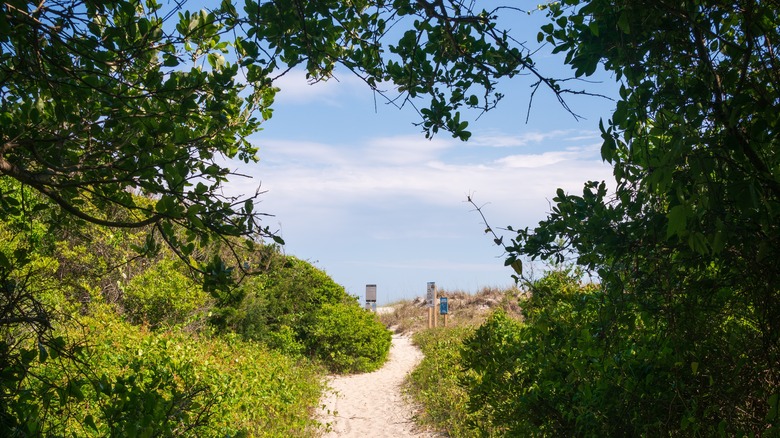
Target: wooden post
x,y
435,305
431,304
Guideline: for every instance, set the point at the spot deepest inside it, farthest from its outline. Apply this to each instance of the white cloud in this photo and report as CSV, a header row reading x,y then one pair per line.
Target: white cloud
x,y
307,175
501,141
290,153
295,88
584,136
406,150
535,160
391,210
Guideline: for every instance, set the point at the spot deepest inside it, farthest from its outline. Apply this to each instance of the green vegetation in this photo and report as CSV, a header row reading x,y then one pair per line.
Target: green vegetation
x,y
162,296
683,335
546,375
115,116
436,382
141,349
163,383
561,371
348,338
297,309
470,381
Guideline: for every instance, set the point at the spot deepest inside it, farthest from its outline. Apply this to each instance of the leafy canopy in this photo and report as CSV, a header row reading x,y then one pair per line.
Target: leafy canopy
x,y
688,242
103,100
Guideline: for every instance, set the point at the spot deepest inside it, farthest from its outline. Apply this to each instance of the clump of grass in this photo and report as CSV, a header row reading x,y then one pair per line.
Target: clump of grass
x,y
465,309
406,316
435,383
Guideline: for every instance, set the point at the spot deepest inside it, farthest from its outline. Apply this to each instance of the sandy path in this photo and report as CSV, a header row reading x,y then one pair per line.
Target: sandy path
x,y
371,404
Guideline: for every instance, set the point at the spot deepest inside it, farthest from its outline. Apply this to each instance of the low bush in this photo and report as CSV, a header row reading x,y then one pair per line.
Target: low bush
x,y
163,384
162,296
298,309
535,378
587,363
348,339
435,384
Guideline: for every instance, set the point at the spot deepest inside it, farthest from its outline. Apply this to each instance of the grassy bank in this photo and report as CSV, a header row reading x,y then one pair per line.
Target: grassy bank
x,y
436,383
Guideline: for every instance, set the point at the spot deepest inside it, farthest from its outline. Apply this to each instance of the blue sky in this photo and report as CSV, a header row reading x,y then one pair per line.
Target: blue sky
x,y
357,189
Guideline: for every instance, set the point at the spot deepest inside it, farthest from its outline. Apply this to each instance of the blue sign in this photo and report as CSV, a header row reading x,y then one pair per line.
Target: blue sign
x,y
443,306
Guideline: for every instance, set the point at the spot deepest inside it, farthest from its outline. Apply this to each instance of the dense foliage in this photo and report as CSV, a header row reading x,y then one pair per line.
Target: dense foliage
x,y
348,338
111,344
548,375
683,336
162,295
126,381
116,121
296,308
561,371
436,382
529,376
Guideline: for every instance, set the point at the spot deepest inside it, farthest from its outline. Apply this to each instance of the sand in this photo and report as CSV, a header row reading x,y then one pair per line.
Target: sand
x,y
371,404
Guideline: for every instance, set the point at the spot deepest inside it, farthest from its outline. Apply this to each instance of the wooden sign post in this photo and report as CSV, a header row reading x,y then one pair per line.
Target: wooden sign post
x,y
431,302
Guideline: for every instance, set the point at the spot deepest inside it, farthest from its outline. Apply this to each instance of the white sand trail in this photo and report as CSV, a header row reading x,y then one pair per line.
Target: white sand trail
x,y
371,405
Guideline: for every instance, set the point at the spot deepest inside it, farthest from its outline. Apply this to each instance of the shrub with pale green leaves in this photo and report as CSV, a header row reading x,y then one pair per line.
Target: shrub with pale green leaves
x,y
162,296
436,382
162,383
297,308
348,338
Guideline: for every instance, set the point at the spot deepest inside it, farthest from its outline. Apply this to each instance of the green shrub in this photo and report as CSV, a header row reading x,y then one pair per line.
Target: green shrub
x,y
536,378
288,294
284,340
162,296
296,308
585,364
436,382
348,338
142,383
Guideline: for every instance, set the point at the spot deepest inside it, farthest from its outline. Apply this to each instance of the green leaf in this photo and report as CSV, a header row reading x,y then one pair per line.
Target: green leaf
x,y
622,23
170,60
594,28
677,220
42,353
27,356
773,413
89,421
698,242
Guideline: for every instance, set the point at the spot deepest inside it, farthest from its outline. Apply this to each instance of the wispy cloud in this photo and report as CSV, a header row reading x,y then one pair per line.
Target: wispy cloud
x,y
407,150
550,158
404,168
295,88
391,209
503,141
289,153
